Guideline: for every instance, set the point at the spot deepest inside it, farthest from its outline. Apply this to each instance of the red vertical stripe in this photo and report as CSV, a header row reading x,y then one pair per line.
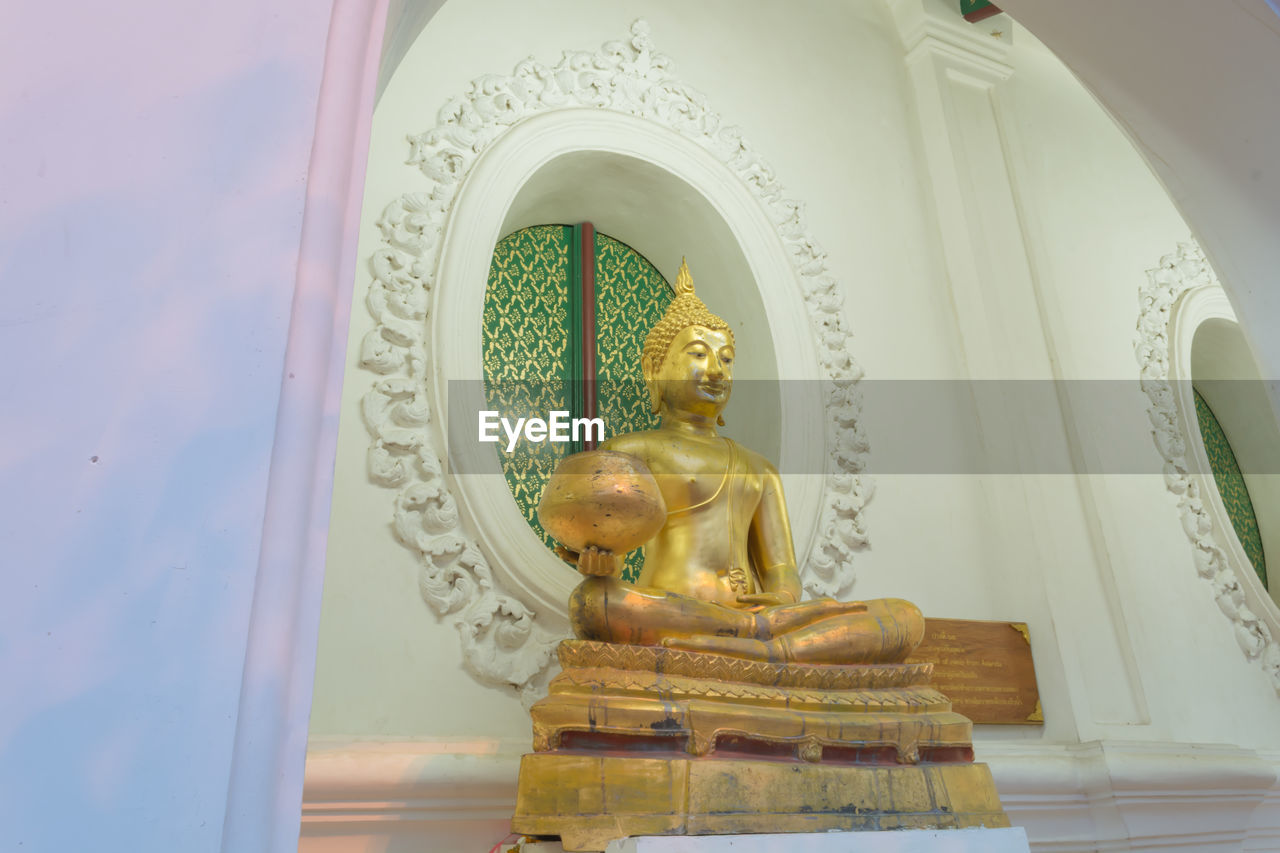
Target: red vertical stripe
x,y
588,267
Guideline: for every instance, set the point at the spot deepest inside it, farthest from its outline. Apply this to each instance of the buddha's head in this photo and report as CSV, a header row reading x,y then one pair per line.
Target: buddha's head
x,y
688,355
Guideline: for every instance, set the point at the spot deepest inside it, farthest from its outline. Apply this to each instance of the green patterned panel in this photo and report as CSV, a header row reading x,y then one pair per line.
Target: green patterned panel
x,y
528,347
526,350
1231,486
631,297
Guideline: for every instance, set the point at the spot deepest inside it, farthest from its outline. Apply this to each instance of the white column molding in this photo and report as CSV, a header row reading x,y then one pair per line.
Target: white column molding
x,y
1098,796
946,62
438,795
928,31
1136,796
1118,795
504,640
265,782
1264,826
1178,295
956,71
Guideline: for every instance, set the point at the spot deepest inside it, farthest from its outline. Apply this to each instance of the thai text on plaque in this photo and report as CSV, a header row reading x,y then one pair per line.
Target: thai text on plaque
x,y
985,668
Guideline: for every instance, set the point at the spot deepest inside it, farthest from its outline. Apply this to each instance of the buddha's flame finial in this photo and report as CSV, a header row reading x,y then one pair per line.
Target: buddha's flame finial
x,y
684,281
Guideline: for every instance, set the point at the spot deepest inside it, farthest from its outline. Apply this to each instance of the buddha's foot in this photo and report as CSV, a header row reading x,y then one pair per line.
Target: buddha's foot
x,y
788,617
734,647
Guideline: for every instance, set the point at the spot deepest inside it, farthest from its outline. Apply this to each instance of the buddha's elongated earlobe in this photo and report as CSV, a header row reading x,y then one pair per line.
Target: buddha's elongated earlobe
x,y
719,420
647,370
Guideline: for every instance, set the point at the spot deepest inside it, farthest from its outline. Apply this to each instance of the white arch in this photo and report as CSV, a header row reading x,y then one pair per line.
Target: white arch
x,y
1180,296
1206,344
622,106
481,217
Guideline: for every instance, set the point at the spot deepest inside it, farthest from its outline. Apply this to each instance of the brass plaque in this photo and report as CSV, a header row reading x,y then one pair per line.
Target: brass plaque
x,y
985,668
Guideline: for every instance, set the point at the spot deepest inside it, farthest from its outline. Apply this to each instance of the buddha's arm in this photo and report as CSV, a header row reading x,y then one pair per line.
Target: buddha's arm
x,y
772,553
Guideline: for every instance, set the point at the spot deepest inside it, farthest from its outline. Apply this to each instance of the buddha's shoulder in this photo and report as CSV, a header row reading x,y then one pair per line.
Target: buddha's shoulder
x,y
640,443
656,446
756,462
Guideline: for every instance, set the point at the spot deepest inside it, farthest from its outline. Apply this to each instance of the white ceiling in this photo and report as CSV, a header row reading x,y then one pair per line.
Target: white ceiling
x,y
1197,87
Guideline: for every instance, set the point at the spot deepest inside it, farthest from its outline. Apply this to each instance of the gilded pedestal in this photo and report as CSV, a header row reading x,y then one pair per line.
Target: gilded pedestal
x,y
641,740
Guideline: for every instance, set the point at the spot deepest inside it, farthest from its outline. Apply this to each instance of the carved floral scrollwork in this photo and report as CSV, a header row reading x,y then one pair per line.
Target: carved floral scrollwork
x,y
502,640
1178,273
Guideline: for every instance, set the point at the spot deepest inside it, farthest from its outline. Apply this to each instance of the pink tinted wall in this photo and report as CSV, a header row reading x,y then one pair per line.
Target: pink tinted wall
x,y
156,160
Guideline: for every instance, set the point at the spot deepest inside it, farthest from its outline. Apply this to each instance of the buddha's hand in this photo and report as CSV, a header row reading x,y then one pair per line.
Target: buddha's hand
x,y
766,599
592,561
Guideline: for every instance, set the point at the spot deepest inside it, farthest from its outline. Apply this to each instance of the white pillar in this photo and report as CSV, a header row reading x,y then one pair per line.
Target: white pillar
x,y
1049,553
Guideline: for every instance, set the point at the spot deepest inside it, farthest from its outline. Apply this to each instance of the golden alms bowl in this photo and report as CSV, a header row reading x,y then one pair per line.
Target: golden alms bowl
x,y
602,498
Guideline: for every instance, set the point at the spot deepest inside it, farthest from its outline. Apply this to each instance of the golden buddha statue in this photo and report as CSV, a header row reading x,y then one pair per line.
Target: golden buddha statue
x,y
707,698
720,574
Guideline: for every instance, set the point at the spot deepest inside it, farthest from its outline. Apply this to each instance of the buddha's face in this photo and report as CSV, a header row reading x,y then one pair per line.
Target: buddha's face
x,y
697,374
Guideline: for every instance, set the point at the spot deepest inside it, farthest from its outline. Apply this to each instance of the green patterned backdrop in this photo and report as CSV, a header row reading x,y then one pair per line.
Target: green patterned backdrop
x,y
528,346
1231,486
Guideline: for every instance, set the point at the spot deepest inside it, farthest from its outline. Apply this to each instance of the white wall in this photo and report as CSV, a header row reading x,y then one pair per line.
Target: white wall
x,y
1098,218
384,682
1072,218
1101,571
155,159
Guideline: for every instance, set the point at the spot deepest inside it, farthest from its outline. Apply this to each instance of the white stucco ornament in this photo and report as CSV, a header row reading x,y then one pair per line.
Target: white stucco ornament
x,y
503,640
1177,274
